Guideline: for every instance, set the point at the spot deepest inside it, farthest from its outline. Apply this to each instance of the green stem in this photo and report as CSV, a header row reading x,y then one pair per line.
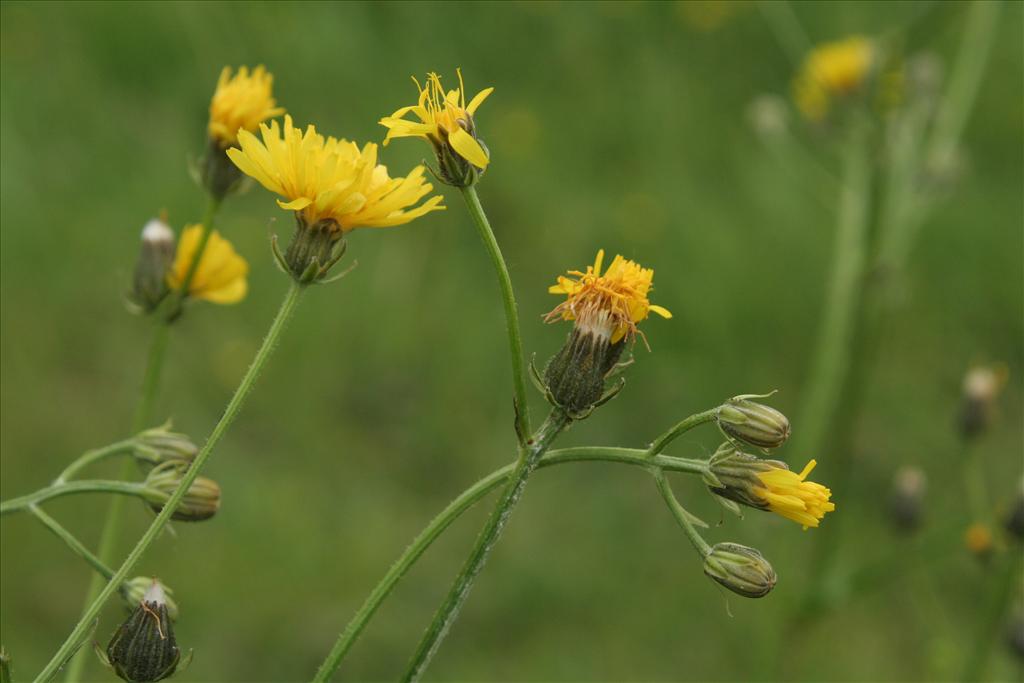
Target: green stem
x,y
681,428
234,406
165,315
680,513
789,34
466,500
843,303
988,631
95,455
72,542
449,609
22,503
508,298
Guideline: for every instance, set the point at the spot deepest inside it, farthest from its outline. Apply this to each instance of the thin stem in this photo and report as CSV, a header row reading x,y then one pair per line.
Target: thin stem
x,y
508,298
466,500
22,503
449,609
786,28
72,542
234,406
843,303
165,315
681,428
93,456
1000,601
681,514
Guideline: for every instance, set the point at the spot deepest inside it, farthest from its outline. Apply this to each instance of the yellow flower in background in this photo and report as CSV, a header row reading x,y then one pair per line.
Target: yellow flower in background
x,y
832,71
444,120
241,101
220,274
978,539
329,180
790,495
608,305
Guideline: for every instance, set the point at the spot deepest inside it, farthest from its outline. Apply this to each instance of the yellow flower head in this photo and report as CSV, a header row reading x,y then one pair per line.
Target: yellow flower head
x,y
608,305
242,101
330,180
444,119
978,539
220,274
831,71
788,494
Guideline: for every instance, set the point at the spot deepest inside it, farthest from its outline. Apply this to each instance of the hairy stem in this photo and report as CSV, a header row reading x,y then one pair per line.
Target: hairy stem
x,y
72,542
22,503
93,456
681,428
508,298
680,513
234,406
463,502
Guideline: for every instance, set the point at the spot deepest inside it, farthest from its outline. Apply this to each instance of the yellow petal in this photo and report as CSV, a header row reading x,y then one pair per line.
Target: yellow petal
x,y
478,100
468,148
663,312
295,204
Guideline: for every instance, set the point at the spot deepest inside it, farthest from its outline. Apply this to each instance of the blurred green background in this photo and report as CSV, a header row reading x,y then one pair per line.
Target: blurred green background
x,y
615,125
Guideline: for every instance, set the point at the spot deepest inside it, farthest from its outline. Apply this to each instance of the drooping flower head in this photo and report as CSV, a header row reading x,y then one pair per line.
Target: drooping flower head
x,y
220,275
606,309
609,305
332,185
790,495
446,121
830,72
242,101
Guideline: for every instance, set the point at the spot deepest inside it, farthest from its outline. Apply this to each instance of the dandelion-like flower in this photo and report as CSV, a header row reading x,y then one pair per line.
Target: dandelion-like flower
x,y
220,275
242,101
332,185
608,305
446,121
790,495
830,72
605,309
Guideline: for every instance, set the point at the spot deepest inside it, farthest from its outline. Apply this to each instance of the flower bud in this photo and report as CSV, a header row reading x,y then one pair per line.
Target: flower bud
x,y
134,590
906,498
742,570
1014,520
160,444
575,376
149,284
753,423
143,647
217,174
201,501
982,386
978,540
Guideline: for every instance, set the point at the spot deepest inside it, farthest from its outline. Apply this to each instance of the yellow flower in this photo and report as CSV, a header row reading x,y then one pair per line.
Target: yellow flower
x,y
330,180
831,71
220,275
444,119
978,539
241,101
608,305
788,494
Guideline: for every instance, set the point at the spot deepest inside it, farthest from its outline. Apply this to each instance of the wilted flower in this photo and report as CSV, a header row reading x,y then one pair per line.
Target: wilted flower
x,y
742,570
446,121
143,648
982,386
333,187
907,498
605,310
134,591
149,284
832,71
220,275
201,501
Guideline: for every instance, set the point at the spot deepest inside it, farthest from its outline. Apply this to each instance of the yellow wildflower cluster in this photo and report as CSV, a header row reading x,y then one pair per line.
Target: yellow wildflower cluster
x,y
832,71
611,304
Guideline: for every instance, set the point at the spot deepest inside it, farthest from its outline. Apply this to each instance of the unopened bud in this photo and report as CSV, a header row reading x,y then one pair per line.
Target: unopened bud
x,y
201,501
134,590
982,386
149,284
143,648
742,570
978,539
753,423
907,498
217,174
160,445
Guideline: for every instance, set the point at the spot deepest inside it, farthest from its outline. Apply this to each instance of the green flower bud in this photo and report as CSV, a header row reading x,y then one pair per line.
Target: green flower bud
x,y
143,648
742,570
574,378
160,444
134,590
149,284
217,174
201,501
753,423
735,476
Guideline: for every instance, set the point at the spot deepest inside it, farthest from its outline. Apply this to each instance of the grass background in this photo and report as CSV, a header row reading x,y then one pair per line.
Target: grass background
x,y
614,125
